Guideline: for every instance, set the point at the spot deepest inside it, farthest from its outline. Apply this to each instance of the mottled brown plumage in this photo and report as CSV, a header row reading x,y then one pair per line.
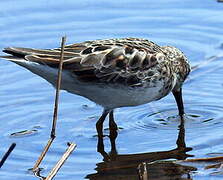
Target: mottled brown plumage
x,y
113,72
130,61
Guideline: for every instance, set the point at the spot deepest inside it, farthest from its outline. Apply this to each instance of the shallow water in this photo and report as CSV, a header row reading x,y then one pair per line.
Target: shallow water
x,y
26,100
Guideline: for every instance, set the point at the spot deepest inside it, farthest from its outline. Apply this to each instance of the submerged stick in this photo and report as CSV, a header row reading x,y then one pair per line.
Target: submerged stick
x,y
7,154
62,160
53,130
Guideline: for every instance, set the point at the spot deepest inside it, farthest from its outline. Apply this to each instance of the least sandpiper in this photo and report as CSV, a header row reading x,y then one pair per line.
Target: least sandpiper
x,y
113,72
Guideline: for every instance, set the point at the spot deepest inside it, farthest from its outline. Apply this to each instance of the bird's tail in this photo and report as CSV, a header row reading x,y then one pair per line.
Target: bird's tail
x,y
50,57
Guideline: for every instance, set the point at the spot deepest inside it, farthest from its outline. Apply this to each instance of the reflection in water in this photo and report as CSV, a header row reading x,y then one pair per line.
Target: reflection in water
x,y
164,171
142,166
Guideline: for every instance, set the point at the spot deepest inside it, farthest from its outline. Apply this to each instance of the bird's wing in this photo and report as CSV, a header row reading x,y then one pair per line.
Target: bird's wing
x,y
126,60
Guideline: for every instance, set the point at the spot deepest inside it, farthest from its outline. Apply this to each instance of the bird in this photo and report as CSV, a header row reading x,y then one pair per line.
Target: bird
x,y
113,73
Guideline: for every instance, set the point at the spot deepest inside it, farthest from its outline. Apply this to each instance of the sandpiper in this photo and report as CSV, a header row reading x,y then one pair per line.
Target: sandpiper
x,y
113,72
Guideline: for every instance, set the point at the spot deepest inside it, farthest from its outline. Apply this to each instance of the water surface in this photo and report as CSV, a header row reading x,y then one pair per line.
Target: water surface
x,y
26,100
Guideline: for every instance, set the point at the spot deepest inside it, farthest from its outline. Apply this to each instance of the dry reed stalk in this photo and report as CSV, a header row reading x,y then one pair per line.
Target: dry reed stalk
x,y
53,130
6,155
62,160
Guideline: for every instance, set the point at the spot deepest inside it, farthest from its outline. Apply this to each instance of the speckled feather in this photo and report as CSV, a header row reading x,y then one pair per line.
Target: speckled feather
x,y
130,62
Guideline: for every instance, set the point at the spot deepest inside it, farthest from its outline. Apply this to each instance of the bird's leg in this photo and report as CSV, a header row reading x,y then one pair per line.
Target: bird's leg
x,y
101,149
113,135
181,136
112,125
181,145
112,128
99,124
99,127
113,153
182,149
178,97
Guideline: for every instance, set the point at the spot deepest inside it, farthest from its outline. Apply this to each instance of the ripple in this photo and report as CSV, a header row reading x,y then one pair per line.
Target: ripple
x,y
196,116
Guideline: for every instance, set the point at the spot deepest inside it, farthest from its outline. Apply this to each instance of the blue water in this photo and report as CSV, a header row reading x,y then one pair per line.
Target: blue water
x,y
26,100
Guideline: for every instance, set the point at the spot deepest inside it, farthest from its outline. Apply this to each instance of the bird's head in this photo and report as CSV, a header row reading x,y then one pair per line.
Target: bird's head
x,y
179,63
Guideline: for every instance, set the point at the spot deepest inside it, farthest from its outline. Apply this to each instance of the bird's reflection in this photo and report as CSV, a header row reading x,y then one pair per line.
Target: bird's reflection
x,y
143,166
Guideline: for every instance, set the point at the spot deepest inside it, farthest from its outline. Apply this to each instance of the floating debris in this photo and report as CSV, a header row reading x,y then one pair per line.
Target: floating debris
x,y
24,133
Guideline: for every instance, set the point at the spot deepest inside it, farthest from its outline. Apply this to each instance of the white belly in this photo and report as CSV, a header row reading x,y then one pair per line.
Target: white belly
x,y
108,96
113,96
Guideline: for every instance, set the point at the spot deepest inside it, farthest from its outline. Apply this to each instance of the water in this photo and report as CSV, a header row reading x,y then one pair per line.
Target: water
x,y
26,100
